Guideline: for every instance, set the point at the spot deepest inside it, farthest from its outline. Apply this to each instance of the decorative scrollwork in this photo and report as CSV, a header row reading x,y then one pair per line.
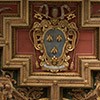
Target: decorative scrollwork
x,y
6,87
54,37
9,92
81,94
32,93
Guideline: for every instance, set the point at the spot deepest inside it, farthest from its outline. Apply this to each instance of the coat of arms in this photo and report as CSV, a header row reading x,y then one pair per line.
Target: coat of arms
x,y
54,36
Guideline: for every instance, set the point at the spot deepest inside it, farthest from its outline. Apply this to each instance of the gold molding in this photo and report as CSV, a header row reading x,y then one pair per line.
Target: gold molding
x,y
98,44
22,62
7,90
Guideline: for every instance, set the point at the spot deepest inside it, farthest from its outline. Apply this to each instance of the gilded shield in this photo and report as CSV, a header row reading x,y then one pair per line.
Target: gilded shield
x,y
54,37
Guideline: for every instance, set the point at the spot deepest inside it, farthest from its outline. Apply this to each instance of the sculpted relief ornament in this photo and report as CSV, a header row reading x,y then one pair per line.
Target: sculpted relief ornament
x,y
10,92
54,36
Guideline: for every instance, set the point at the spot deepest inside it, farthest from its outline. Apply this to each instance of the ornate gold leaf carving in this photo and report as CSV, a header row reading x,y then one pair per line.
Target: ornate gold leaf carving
x,y
38,78
54,24
59,38
80,94
54,50
49,38
8,91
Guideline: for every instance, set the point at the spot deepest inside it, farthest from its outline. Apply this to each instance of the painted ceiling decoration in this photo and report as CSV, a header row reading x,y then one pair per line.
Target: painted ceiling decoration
x,y
49,50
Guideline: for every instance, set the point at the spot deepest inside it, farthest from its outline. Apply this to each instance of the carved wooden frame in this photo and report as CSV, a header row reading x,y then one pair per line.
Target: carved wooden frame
x,y
54,80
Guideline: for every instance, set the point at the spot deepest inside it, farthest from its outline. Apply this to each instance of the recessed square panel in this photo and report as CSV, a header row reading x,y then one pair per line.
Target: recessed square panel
x,y
85,38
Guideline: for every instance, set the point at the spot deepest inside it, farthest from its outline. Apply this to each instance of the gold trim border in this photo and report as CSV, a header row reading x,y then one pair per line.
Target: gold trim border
x,y
54,80
23,62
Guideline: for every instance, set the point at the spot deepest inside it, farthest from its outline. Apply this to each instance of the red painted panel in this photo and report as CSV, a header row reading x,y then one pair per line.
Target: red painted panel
x,y
24,46
86,42
7,8
23,43
95,9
